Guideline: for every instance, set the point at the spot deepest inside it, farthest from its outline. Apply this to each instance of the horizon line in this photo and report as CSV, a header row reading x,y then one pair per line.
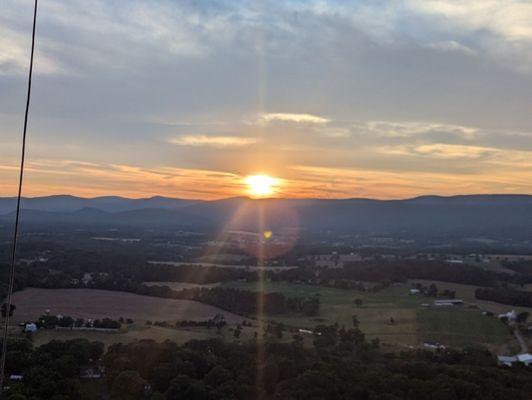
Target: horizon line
x,y
273,198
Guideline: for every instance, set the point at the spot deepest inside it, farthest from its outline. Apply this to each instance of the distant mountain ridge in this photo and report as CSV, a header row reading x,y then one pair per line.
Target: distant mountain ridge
x,y
466,215
68,203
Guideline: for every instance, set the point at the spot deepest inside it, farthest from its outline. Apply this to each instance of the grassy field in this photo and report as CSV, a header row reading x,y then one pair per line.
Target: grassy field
x,y
467,293
412,324
180,285
460,327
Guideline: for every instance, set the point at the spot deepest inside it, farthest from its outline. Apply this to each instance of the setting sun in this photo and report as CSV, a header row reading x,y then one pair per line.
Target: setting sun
x,y
261,185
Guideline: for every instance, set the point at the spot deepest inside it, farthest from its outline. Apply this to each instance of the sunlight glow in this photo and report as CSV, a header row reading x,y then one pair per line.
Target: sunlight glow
x,y
261,185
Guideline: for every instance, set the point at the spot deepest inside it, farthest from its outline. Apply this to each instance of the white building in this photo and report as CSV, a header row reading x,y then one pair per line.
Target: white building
x,y
434,345
525,358
510,315
30,327
448,303
506,360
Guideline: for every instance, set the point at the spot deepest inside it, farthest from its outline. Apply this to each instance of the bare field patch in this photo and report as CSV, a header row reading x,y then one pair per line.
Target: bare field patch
x,y
91,303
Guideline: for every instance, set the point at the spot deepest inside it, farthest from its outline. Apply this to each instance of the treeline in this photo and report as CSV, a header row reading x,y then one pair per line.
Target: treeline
x,y
341,365
193,274
239,301
52,371
399,271
66,321
505,296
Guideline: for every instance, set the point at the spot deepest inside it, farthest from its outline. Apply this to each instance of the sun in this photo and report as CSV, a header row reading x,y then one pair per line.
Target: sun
x,y
261,185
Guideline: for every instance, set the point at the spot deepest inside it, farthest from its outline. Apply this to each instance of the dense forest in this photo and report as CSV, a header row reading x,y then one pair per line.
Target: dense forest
x,y
340,365
237,300
505,296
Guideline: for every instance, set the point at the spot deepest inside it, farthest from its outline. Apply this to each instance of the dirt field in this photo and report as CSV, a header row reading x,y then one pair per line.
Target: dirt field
x,y
89,303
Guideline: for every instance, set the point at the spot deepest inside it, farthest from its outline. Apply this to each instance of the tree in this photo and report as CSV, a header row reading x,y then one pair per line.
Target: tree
x,y
128,385
183,387
358,302
11,309
237,332
218,376
522,317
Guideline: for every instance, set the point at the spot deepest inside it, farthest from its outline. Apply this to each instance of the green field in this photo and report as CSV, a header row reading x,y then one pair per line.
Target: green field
x,y
412,324
460,327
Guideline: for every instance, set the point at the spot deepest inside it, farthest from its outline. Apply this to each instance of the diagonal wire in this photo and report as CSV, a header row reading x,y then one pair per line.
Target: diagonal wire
x,y
17,214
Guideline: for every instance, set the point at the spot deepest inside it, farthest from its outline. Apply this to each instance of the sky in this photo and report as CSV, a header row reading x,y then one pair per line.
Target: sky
x,y
335,99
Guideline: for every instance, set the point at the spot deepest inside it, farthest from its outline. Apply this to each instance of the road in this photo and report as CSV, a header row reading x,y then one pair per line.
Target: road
x,y
520,340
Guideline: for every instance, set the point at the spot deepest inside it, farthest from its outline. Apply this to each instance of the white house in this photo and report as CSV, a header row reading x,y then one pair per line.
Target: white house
x,y
434,345
511,315
448,303
30,327
414,291
506,360
525,358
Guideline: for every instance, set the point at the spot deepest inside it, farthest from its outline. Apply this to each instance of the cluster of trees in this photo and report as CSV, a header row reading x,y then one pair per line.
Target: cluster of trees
x,y
218,322
402,270
432,291
238,301
505,296
340,365
65,321
52,370
387,271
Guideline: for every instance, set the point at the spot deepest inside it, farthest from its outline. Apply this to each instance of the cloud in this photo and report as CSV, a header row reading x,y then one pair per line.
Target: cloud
x,y
510,19
295,118
213,141
432,87
449,151
451,45
500,29
412,129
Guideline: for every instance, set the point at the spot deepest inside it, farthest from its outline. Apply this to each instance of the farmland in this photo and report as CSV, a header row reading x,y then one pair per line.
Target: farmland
x,y
412,324
90,303
180,285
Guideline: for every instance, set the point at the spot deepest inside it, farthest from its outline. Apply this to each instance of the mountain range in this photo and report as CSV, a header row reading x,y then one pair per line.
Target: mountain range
x,y
485,215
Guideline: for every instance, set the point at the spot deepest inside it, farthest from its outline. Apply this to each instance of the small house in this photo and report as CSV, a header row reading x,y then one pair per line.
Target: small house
x,y
510,315
434,345
448,303
30,327
506,360
525,358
